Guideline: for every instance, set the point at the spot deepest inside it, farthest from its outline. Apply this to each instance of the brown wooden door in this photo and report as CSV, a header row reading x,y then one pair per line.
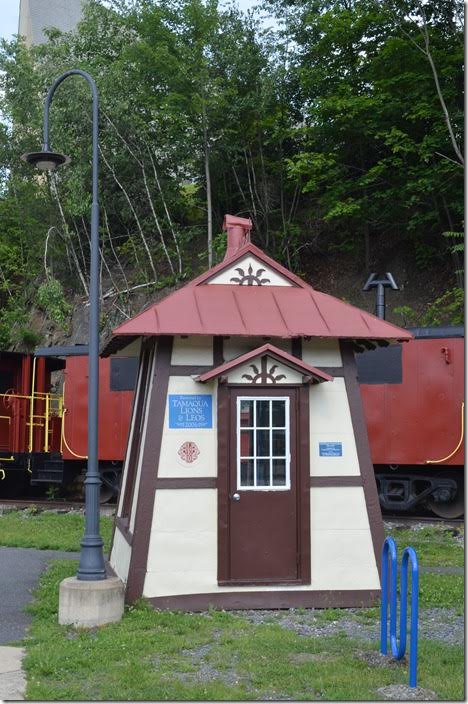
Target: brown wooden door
x,y
262,506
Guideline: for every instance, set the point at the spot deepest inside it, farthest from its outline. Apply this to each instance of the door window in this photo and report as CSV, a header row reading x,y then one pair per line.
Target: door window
x,y
263,456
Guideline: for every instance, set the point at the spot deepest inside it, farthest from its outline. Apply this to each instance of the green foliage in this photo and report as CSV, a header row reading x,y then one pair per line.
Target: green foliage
x,y
329,134
436,546
448,309
213,656
442,590
50,297
46,530
409,316
372,149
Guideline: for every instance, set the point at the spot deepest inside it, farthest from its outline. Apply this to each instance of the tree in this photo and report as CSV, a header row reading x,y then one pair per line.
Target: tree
x,y
372,145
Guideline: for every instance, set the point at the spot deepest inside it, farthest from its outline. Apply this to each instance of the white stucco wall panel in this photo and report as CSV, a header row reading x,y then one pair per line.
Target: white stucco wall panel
x,y
120,555
347,465
338,508
320,352
330,421
237,345
329,408
196,349
171,463
343,559
183,546
275,279
185,511
194,552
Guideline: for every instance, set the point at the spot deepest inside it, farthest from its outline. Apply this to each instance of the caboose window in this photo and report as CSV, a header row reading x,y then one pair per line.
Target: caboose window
x,y
6,380
123,373
263,456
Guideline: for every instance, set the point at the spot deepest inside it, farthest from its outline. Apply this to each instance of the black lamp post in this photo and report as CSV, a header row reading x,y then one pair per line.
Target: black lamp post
x,y
91,567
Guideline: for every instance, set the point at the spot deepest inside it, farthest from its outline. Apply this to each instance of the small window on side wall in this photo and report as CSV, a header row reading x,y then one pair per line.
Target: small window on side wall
x,y
263,453
123,373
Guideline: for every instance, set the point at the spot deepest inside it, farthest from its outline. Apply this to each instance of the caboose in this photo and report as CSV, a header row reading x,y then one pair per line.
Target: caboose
x,y
43,419
413,396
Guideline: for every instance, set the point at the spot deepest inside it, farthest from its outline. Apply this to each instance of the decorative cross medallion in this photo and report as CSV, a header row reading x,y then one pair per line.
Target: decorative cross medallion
x,y
188,452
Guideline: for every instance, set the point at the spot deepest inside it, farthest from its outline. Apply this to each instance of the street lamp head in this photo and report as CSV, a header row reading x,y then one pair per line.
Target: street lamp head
x,y
45,160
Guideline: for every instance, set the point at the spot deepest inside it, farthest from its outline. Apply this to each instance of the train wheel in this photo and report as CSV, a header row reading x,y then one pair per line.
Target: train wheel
x,y
110,477
106,494
449,509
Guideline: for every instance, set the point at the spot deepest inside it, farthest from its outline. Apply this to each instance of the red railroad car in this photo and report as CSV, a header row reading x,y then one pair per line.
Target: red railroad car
x,y
413,397
43,431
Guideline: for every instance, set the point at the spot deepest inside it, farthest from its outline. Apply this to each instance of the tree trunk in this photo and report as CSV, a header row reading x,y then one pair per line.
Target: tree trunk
x,y
209,219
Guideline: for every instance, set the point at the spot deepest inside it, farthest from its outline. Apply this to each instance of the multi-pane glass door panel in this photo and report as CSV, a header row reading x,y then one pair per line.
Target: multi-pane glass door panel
x,y
263,454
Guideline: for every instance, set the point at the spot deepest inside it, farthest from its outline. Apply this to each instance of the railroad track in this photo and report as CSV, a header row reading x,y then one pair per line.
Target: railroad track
x,y
109,509
45,505
412,520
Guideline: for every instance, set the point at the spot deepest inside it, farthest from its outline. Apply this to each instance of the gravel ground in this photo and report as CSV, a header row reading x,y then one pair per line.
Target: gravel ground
x,y
401,692
434,624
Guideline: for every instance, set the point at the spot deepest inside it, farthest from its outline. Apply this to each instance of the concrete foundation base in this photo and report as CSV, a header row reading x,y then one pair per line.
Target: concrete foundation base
x,y
89,604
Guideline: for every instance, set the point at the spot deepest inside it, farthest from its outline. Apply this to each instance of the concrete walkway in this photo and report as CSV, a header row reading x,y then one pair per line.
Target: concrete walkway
x,y
20,569
12,679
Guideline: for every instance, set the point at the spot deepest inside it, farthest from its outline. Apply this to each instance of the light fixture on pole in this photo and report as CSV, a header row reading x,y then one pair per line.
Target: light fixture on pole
x,y
91,567
380,284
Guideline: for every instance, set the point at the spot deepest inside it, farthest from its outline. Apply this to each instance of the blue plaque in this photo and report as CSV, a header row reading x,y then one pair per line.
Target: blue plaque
x,y
190,411
330,449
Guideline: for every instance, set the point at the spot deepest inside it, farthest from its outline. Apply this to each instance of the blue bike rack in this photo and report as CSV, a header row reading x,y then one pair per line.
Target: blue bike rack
x,y
389,551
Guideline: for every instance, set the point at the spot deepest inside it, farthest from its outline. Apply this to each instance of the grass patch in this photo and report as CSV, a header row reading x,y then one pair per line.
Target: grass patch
x,y
435,545
46,530
155,656
442,590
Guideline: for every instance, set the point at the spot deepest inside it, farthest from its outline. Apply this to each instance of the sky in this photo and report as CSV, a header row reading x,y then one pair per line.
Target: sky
x,y
8,18
9,11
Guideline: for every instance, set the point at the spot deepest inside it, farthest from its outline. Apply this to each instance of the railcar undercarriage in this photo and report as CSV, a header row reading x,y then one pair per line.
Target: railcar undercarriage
x,y
404,489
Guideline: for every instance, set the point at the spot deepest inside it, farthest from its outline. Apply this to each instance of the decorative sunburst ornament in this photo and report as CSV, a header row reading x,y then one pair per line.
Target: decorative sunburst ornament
x,y
263,376
250,278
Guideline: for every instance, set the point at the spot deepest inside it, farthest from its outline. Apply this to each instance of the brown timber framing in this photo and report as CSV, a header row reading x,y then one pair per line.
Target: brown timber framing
x,y
299,598
187,483
362,447
149,484
135,440
149,467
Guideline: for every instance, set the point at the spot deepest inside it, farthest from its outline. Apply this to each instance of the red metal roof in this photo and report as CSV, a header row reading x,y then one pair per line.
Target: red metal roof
x,y
296,310
274,352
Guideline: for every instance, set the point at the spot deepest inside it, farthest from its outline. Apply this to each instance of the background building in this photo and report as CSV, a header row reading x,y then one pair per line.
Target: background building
x,y
36,15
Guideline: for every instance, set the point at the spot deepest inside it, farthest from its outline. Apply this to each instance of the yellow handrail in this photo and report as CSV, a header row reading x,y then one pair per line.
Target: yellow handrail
x,y
444,459
64,440
80,457
46,429
53,407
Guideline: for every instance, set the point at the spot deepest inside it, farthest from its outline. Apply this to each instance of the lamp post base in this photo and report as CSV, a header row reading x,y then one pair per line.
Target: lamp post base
x,y
90,604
